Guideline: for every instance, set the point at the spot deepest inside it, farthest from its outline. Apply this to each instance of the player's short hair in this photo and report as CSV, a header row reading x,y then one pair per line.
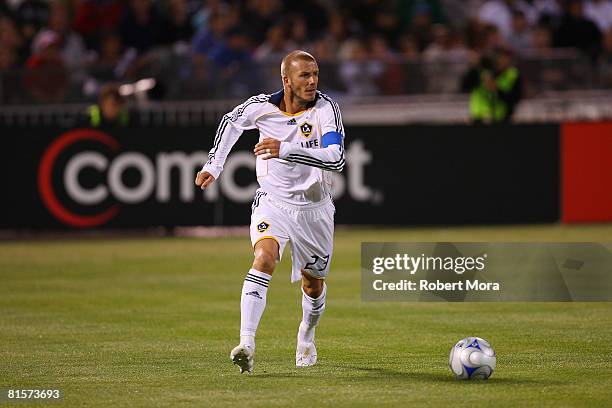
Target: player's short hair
x,y
297,55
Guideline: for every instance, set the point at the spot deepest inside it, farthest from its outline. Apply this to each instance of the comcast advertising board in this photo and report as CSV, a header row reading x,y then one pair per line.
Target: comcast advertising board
x,y
139,177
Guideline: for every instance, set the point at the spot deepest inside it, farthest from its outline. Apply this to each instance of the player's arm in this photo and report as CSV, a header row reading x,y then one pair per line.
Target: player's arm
x,y
330,157
229,130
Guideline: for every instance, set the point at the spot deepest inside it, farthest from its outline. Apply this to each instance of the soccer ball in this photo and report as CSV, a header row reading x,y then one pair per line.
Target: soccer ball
x,y
472,358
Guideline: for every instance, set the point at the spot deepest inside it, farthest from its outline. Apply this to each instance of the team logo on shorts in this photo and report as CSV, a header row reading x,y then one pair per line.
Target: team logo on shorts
x,y
318,263
306,129
262,226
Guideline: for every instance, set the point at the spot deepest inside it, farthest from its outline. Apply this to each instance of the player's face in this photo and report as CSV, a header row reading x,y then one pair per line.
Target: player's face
x,y
303,80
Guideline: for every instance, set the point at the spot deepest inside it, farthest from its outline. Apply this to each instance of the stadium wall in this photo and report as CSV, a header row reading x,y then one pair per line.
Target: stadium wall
x,y
61,178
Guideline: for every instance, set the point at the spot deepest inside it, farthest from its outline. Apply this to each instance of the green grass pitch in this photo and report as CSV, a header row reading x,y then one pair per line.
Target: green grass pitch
x,y
150,322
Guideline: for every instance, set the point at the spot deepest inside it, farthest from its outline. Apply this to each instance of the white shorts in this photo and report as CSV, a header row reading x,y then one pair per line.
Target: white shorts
x,y
309,229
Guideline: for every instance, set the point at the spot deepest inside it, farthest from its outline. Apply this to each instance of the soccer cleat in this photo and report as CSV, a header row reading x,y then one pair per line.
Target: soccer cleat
x,y
305,355
242,356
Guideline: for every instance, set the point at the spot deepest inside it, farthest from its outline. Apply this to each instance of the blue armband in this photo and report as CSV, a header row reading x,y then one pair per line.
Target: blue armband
x,y
331,138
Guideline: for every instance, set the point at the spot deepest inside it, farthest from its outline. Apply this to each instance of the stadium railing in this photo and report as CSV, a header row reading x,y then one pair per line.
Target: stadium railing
x,y
390,110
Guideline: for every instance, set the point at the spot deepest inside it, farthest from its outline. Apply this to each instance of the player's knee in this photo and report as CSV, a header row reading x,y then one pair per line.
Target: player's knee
x,y
264,262
313,288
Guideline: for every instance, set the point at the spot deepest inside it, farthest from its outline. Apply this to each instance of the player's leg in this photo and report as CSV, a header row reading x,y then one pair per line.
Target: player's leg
x,y
253,301
314,292
313,252
268,238
255,288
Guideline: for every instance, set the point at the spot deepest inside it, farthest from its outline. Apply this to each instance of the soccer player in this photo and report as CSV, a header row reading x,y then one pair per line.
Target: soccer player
x,y
301,141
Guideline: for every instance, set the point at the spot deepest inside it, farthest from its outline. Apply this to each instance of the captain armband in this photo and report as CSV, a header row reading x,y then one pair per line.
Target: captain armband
x,y
331,138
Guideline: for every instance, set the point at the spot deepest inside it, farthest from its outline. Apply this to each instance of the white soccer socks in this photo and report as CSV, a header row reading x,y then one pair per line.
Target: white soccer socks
x,y
312,309
252,305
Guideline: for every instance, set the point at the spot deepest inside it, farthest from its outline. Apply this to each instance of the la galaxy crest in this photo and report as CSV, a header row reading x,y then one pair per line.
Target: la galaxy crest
x,y
262,226
306,129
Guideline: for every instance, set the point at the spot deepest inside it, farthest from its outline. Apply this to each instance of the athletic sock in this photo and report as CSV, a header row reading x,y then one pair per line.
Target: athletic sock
x,y
312,309
252,304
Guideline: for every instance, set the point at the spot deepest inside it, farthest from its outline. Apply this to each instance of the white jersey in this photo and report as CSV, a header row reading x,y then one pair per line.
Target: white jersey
x,y
301,175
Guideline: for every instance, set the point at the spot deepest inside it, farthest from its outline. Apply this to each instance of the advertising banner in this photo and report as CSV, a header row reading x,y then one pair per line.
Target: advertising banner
x,y
140,177
586,172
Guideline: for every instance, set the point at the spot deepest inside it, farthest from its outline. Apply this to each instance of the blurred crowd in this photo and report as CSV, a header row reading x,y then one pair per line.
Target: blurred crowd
x,y
55,49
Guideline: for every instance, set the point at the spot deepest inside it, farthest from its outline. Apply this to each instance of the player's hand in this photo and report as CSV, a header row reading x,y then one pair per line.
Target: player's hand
x,y
267,149
204,179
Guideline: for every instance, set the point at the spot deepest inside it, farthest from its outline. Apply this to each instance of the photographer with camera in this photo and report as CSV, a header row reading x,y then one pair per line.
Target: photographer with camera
x,y
494,85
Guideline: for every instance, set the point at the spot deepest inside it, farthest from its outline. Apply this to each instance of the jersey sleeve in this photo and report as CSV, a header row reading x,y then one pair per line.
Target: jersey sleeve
x,y
328,158
241,118
331,156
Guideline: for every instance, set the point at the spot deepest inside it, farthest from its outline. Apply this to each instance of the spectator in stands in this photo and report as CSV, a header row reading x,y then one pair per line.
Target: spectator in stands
x,y
71,45
260,15
499,13
31,15
460,12
234,50
547,9
8,61
106,67
446,58
94,18
445,48
600,12
46,77
491,38
408,10
541,71
233,60
111,109
521,37
605,62
10,44
541,41
337,34
359,73
201,18
10,40
387,23
408,47
276,45
207,40
494,86
141,26
577,31
421,26
178,28
314,16
298,32
391,81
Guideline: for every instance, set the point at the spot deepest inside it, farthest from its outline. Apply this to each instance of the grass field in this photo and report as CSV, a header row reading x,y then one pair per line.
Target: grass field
x,y
150,322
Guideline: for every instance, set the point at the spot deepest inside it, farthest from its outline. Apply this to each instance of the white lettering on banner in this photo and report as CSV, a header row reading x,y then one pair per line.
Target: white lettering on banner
x,y
157,175
228,185
127,194
357,157
71,178
186,163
